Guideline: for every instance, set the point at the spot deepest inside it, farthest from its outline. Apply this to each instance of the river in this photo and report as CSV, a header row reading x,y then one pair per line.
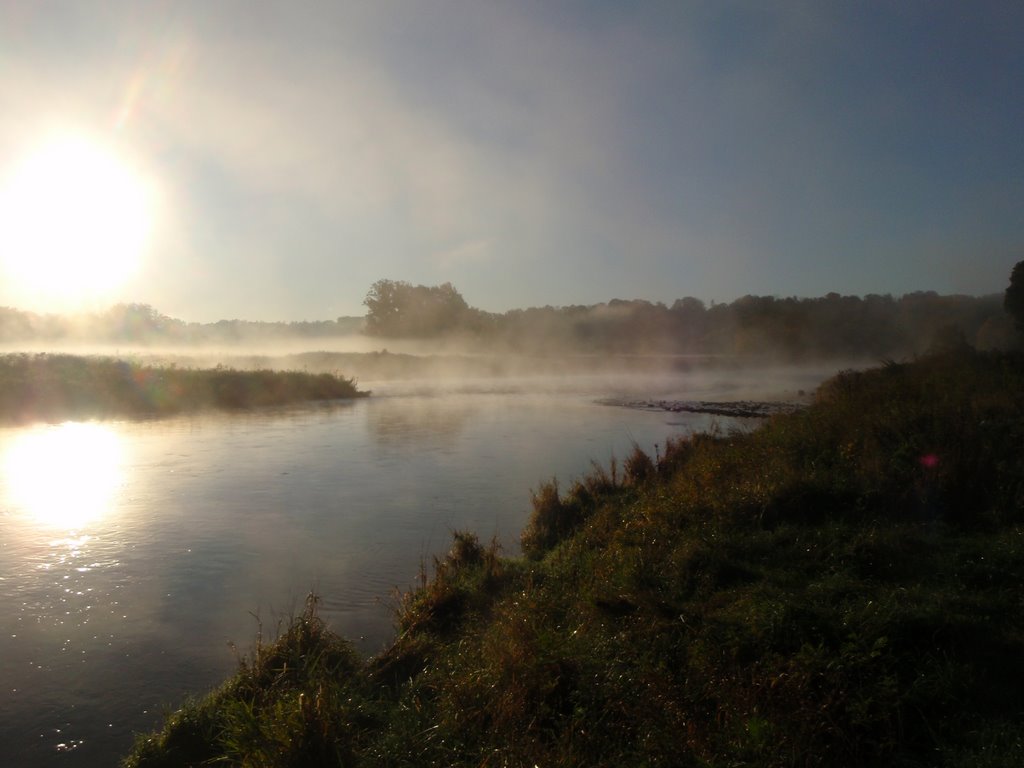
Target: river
x,y
139,558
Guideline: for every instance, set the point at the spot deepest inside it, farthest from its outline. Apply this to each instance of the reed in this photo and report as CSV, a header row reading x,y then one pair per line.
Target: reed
x,y
48,387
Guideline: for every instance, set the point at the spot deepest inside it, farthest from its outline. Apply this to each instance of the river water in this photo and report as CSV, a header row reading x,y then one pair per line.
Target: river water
x,y
138,558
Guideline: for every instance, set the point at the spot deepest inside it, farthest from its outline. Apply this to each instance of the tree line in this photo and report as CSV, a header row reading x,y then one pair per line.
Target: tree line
x,y
831,326
142,323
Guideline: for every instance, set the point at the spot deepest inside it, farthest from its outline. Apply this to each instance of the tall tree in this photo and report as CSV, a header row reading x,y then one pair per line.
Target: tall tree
x,y
383,306
1013,299
397,308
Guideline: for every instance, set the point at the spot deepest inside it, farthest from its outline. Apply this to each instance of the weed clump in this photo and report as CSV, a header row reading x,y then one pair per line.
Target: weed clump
x,y
300,700
440,604
556,517
638,466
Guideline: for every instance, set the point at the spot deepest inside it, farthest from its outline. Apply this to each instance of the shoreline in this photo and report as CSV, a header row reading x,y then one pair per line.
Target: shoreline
x,y
837,586
741,409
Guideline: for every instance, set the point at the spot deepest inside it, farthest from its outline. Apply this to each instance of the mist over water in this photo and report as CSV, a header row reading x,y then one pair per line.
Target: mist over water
x,y
209,519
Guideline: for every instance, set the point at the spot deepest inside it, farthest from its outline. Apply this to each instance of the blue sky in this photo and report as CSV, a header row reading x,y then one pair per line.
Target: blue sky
x,y
539,153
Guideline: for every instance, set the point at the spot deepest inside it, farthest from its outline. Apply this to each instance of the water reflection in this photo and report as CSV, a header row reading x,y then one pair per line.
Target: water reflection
x,y
63,476
404,422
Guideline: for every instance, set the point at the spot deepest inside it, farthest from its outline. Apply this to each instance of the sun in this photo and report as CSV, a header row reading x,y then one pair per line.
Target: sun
x,y
74,222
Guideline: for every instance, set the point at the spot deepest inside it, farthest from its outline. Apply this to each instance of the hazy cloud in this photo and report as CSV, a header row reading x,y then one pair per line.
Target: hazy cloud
x,y
532,153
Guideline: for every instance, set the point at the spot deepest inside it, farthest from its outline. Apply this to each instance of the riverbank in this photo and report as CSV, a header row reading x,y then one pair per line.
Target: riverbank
x,y
838,587
736,409
45,387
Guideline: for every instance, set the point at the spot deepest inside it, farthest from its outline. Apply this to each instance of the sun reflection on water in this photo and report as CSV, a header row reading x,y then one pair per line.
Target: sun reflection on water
x,y
64,476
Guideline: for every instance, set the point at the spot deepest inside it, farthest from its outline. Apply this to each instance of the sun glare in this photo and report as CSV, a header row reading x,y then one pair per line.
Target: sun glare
x,y
63,476
74,220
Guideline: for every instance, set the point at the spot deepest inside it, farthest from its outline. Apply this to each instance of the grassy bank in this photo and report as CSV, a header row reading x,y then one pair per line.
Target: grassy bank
x,y
842,587
51,387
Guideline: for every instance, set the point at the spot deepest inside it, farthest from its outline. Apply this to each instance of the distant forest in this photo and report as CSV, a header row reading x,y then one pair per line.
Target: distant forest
x,y
832,326
143,324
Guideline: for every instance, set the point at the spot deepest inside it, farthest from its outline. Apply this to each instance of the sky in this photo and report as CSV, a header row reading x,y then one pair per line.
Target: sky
x,y
536,153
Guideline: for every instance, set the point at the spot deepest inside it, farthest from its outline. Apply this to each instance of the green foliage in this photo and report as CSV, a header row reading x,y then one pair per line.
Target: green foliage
x,y
838,588
189,737
49,387
299,701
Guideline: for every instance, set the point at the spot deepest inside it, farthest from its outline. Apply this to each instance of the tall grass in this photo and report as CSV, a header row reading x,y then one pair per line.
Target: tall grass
x,y
298,701
49,387
841,587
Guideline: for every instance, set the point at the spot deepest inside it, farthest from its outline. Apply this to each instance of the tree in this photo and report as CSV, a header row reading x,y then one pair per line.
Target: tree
x,y
397,308
383,308
1013,299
